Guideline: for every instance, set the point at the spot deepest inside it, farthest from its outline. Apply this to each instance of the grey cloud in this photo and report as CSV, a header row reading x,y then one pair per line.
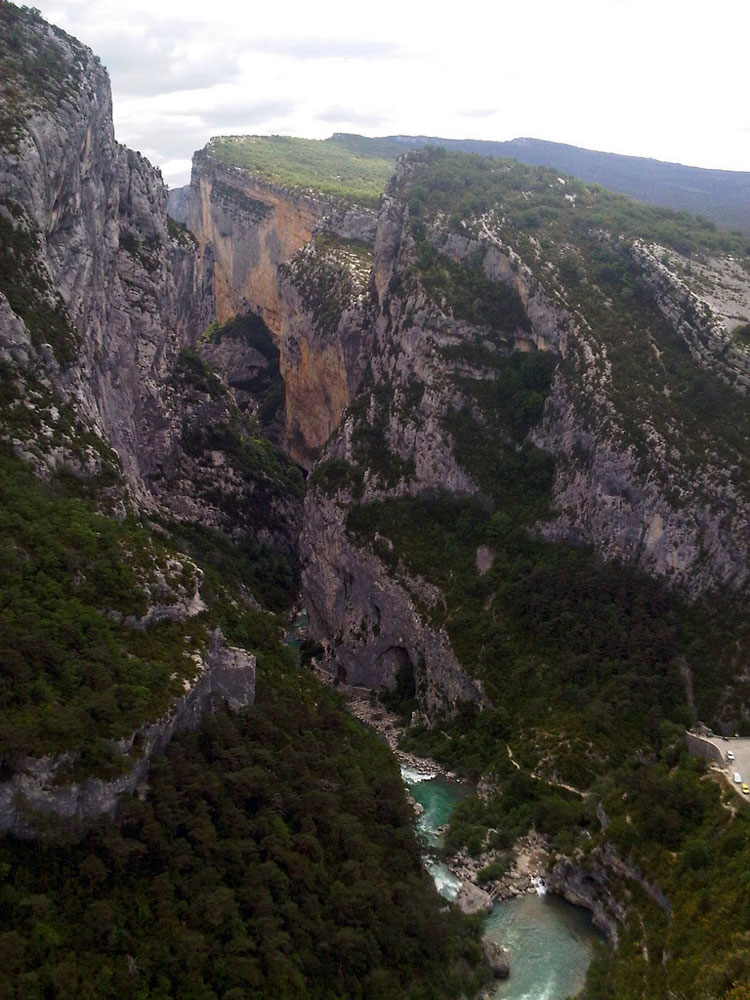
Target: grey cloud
x,y
323,48
147,72
479,112
171,139
245,114
150,59
146,82
338,114
178,136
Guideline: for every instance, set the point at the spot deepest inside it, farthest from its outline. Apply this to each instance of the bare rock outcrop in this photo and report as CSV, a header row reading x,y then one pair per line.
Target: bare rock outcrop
x,y
601,886
246,227
41,797
85,220
370,621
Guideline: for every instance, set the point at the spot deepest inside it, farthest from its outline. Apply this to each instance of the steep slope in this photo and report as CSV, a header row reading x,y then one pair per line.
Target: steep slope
x,y
474,260
723,196
254,213
112,634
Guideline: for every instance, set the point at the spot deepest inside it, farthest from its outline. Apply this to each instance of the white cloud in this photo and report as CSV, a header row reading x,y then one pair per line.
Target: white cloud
x,y
631,76
174,171
350,116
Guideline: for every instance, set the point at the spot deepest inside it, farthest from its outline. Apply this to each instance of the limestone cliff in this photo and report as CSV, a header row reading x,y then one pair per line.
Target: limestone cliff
x,y
300,261
324,337
86,233
393,441
103,297
639,471
102,302
178,204
251,226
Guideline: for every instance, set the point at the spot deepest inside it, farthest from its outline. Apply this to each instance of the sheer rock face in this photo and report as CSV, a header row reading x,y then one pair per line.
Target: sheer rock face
x,y
369,620
251,227
608,497
310,292
178,204
376,624
684,524
641,503
39,790
705,304
134,294
101,297
325,337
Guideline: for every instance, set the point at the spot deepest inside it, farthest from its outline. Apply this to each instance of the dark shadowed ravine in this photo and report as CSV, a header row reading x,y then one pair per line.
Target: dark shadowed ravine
x,y
550,942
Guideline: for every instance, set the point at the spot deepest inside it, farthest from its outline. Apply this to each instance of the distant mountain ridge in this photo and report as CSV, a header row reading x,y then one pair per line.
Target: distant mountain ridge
x,y
723,196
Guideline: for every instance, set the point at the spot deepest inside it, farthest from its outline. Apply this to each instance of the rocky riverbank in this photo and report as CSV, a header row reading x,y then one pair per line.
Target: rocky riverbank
x,y
371,712
528,868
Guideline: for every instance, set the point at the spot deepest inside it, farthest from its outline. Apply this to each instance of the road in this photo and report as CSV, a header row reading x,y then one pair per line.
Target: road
x,y
740,747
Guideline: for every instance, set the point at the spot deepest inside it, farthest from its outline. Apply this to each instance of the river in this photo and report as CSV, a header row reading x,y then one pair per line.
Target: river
x,y
550,942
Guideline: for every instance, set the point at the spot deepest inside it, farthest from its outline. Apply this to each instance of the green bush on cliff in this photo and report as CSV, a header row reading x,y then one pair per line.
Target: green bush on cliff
x,y
334,475
462,187
26,284
468,291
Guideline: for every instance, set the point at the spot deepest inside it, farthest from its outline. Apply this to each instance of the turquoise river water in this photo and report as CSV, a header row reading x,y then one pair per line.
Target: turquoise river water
x,y
550,942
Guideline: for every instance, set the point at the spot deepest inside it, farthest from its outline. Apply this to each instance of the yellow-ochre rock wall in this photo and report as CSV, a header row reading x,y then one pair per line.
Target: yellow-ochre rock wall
x,y
260,241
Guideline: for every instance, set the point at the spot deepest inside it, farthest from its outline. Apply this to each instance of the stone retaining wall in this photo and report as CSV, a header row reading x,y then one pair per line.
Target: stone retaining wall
x,y
698,747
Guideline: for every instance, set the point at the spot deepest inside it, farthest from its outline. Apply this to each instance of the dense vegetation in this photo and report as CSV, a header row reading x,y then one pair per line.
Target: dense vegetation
x,y
466,289
464,187
273,857
323,165
583,656
691,837
72,677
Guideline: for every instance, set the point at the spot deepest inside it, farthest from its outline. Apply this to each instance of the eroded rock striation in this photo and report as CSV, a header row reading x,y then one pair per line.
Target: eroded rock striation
x,y
109,293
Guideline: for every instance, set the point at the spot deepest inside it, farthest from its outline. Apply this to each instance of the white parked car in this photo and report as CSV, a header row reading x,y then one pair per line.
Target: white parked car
x,y
730,755
737,778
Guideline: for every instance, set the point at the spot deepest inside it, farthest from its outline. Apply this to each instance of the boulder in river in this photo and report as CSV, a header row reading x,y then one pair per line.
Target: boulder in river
x,y
472,899
496,957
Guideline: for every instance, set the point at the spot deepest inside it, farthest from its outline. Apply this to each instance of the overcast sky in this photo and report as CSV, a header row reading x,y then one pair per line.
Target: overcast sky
x,y
654,78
